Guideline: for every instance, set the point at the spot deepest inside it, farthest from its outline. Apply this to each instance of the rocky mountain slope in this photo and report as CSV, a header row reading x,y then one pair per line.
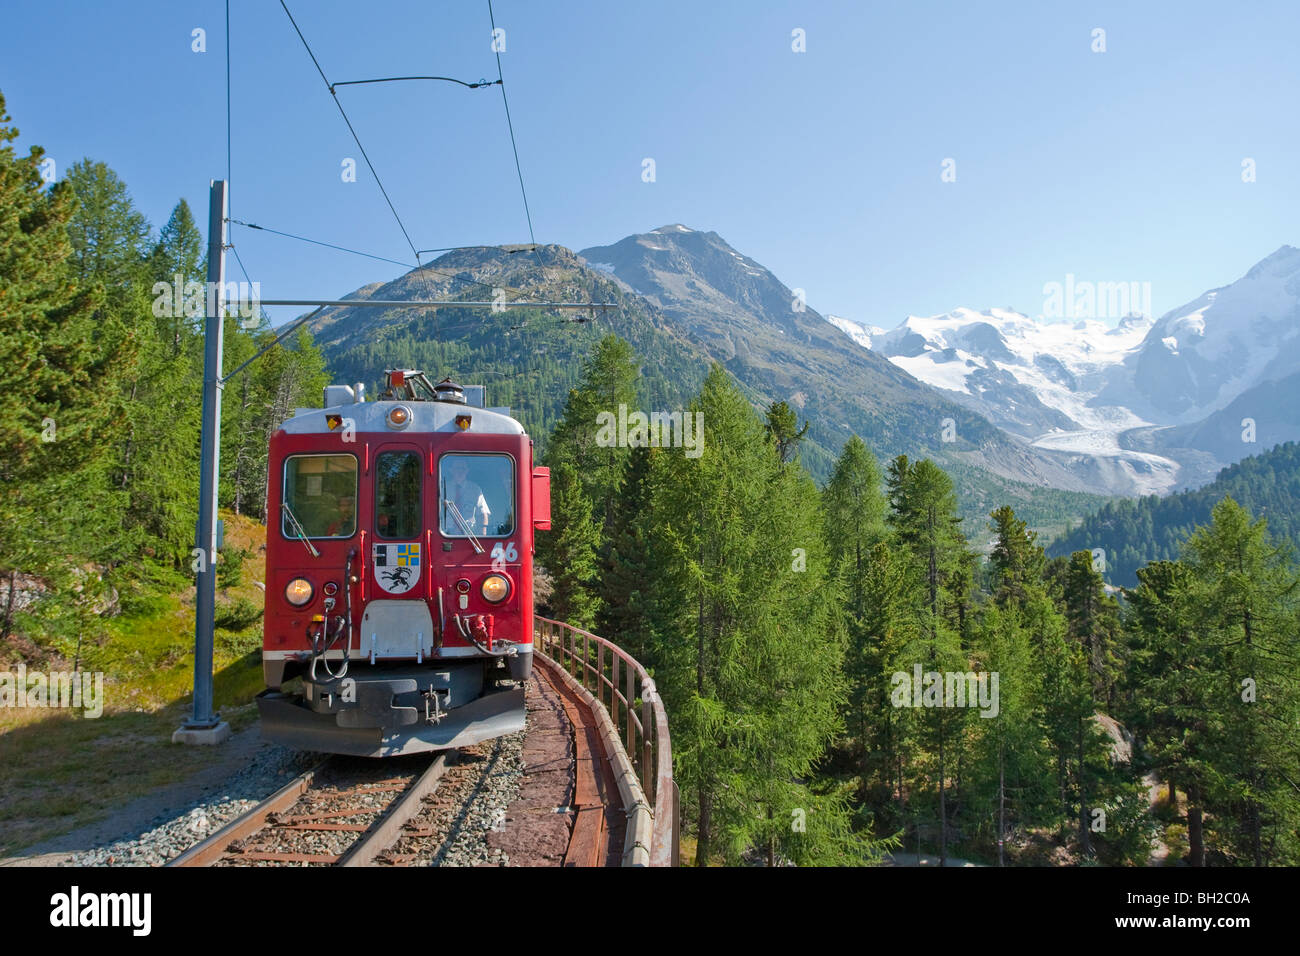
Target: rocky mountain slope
x,y
702,302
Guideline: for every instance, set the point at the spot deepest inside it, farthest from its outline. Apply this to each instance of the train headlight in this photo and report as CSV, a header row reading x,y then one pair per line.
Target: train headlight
x,y
298,592
495,588
399,417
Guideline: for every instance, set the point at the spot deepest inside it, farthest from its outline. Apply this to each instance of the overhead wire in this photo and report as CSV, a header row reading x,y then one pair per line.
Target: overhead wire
x,y
400,79
420,267
516,292
357,139
229,166
514,146
401,225
228,136
318,242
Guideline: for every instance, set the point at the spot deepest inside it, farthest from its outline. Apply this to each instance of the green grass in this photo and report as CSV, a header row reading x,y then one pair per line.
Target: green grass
x,y
64,770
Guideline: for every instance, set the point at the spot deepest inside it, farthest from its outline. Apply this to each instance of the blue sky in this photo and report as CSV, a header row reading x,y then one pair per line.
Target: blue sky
x,y
823,165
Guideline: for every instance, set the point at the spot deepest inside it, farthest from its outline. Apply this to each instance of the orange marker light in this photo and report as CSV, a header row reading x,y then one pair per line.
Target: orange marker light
x,y
462,422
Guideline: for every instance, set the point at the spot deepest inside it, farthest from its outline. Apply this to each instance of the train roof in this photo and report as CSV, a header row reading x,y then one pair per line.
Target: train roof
x,y
433,408
425,417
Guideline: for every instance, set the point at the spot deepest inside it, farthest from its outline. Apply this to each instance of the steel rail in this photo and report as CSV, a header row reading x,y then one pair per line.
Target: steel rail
x,y
213,848
388,828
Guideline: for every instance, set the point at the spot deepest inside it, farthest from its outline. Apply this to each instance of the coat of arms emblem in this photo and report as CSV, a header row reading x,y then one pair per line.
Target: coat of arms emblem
x,y
397,567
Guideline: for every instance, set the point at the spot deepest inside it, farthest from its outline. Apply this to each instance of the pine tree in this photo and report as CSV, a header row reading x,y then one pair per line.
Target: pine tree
x,y
783,426
625,562
177,258
923,514
568,552
1093,618
158,391
855,507
256,404
1017,560
1067,716
885,638
1010,761
60,364
869,582
1012,634
108,234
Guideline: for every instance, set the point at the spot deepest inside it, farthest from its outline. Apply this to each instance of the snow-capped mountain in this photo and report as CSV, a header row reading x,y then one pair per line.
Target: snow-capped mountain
x,y
862,334
1031,376
1200,357
1091,391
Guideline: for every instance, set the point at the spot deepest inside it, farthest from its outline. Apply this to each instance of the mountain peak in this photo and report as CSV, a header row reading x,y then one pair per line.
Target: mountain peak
x,y
1284,261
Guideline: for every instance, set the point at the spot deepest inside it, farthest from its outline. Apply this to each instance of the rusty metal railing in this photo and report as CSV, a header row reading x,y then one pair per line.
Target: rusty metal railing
x,y
627,694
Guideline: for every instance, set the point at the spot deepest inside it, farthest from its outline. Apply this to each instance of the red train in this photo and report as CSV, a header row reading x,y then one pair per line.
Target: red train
x,y
399,574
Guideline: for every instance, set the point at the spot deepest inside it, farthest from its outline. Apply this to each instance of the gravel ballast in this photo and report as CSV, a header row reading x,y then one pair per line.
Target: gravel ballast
x,y
173,833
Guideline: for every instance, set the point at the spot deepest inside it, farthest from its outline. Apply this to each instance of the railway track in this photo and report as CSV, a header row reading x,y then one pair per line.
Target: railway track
x,y
411,811
338,813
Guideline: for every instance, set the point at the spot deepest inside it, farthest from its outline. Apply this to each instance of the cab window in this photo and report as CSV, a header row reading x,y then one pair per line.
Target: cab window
x,y
476,495
397,494
321,492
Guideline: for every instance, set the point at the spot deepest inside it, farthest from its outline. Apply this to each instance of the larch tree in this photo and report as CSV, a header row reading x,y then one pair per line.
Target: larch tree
x,y
609,380
923,514
1248,594
1173,677
749,645
854,504
1093,618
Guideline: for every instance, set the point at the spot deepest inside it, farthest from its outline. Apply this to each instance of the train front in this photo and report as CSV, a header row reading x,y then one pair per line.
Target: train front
x,y
399,578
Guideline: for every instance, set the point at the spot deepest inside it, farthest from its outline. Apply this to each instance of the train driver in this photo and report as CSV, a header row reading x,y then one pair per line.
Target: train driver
x,y
342,523
468,498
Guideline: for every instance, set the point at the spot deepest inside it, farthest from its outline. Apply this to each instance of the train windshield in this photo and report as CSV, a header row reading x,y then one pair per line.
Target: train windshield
x,y
321,491
478,496
397,494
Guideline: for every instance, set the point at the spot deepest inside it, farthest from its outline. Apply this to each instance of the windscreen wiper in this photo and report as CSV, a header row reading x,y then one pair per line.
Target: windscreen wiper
x,y
455,513
302,535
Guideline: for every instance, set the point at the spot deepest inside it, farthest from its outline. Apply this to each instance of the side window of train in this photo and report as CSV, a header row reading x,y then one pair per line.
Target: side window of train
x,y
321,494
476,495
397,494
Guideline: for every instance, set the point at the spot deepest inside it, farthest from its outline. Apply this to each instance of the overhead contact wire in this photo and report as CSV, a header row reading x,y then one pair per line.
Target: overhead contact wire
x,y
513,144
342,112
